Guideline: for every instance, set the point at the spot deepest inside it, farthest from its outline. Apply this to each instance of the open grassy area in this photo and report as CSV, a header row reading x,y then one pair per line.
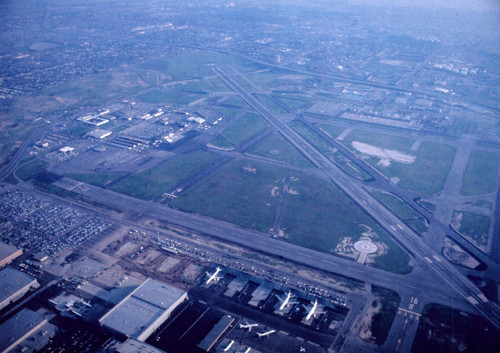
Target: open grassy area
x,y
388,302
234,100
474,227
243,193
429,206
319,216
442,329
193,64
268,102
292,102
328,150
30,169
153,182
222,142
426,174
244,127
385,141
168,97
481,173
404,212
332,130
97,179
276,147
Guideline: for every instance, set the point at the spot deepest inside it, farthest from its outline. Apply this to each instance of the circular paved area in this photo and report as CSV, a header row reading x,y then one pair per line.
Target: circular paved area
x,y
365,246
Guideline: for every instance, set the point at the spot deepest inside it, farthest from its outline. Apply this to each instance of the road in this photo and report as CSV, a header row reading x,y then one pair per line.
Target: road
x,y
425,255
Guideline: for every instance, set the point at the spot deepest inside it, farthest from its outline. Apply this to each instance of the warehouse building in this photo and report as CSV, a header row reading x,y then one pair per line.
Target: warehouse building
x,y
27,331
8,253
13,285
134,346
144,310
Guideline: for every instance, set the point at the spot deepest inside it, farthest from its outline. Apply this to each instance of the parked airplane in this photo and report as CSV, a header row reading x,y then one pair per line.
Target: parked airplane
x,y
312,312
213,277
285,301
267,333
248,326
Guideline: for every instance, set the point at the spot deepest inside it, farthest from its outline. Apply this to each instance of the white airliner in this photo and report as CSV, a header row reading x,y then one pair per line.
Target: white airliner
x,y
213,277
285,301
312,312
267,333
248,326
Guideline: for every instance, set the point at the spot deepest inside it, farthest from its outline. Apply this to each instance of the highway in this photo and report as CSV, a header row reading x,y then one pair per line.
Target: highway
x,y
402,233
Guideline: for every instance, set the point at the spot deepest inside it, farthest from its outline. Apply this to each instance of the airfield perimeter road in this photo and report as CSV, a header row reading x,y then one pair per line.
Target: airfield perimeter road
x,y
402,233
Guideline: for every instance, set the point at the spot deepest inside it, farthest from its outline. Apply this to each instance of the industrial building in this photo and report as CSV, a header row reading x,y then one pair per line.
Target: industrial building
x,y
215,333
13,285
140,313
134,346
99,133
8,253
27,331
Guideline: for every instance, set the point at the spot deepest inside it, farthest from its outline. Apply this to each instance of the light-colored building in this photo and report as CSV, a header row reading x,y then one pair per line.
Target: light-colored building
x,y
140,313
134,346
8,253
14,285
99,133
27,331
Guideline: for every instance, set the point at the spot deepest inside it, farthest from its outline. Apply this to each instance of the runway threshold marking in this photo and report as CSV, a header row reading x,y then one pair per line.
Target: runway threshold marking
x,y
409,312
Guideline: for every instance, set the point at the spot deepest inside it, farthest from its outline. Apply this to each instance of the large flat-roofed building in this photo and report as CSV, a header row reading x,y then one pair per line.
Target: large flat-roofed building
x,y
27,331
13,285
134,346
8,253
143,310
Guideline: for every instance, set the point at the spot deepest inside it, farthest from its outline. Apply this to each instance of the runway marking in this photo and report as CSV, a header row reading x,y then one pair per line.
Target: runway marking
x,y
279,247
329,262
437,258
483,298
472,300
305,255
428,260
409,312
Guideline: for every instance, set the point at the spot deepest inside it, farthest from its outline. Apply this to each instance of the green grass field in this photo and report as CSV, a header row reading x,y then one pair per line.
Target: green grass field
x,y
268,102
402,144
240,193
328,150
234,100
244,127
292,102
222,142
319,216
155,181
97,179
404,212
168,97
276,147
452,331
29,169
427,173
332,130
481,173
473,226
382,321
193,64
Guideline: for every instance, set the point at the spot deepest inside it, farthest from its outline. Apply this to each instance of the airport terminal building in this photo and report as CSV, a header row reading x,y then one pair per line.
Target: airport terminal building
x,y
144,310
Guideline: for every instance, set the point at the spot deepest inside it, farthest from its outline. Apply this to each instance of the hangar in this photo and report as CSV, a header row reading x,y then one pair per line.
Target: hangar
x,y
144,310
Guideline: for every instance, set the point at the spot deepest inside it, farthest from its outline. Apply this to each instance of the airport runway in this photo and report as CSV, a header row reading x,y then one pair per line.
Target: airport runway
x,y
403,234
